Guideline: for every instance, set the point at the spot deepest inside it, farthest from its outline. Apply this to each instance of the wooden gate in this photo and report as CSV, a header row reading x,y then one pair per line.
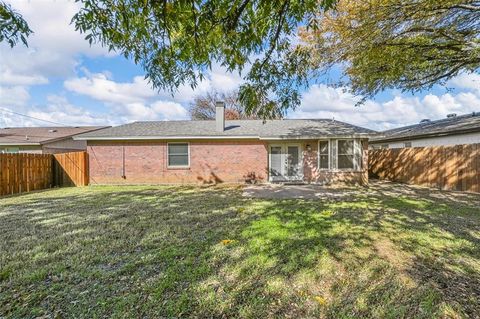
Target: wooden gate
x,y
70,169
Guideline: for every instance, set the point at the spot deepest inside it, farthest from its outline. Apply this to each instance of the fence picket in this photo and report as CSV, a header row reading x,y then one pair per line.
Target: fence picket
x,y
445,167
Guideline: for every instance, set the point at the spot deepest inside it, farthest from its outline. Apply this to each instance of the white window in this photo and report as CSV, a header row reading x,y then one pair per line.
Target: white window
x,y
323,155
346,154
178,155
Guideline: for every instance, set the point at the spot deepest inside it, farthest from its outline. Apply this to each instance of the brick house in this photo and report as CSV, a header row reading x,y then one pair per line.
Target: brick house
x,y
312,151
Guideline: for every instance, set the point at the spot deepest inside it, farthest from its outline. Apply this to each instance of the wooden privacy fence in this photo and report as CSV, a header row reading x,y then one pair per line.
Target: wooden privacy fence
x,y
27,172
445,167
70,169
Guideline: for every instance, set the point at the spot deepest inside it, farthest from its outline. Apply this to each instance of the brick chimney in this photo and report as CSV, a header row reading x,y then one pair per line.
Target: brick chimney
x,y
220,116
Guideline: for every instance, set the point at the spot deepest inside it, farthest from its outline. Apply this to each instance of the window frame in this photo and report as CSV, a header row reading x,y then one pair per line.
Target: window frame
x,y
329,155
353,154
407,144
168,155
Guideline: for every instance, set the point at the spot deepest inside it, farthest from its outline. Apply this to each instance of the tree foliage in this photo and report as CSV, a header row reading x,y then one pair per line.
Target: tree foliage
x,y
177,42
406,44
13,27
203,107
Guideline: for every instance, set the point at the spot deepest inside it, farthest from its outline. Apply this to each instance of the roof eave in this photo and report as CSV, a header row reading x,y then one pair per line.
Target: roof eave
x,y
316,137
219,137
129,138
21,144
419,136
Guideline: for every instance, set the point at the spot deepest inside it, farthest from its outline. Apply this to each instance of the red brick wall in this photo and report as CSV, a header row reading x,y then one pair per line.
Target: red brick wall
x,y
146,162
210,162
313,175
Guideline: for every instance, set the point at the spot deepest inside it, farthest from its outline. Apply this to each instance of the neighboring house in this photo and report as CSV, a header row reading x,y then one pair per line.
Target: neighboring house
x,y
453,130
322,151
43,140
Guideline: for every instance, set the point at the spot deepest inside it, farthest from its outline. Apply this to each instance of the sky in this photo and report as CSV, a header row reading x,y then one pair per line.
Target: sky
x,y
62,79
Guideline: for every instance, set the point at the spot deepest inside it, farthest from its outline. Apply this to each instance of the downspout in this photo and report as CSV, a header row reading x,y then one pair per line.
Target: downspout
x,y
123,162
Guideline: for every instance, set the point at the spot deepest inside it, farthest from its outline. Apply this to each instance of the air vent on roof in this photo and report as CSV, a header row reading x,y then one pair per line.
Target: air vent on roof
x,y
451,115
425,121
52,131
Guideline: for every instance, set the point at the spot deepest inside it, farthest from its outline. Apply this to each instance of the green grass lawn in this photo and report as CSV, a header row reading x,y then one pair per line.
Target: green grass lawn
x,y
97,252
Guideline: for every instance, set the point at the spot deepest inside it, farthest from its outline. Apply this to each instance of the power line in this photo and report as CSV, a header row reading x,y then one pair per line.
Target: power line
x,y
39,119
32,117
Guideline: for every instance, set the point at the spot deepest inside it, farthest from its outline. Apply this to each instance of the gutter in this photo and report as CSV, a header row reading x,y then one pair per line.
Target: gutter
x,y
122,138
317,137
215,137
20,144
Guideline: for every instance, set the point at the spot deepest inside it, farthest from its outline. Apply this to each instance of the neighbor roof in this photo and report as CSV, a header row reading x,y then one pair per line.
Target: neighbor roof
x,y
40,135
449,126
272,129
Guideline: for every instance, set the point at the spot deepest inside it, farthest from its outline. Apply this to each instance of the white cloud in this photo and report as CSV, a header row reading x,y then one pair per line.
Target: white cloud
x,y
53,47
100,87
130,101
321,101
159,110
53,50
13,96
9,78
78,117
136,100
321,97
58,109
170,110
469,81
218,79
224,81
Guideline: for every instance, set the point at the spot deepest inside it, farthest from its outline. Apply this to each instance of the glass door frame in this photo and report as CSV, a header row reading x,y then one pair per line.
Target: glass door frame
x,y
283,159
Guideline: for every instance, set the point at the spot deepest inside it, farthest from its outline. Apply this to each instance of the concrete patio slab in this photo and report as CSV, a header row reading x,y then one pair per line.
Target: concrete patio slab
x,y
374,188
279,191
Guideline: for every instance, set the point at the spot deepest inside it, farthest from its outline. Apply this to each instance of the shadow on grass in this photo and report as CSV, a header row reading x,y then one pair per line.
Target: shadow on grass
x,y
209,252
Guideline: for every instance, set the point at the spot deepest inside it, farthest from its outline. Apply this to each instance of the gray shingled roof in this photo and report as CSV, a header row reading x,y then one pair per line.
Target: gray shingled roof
x,y
40,135
448,126
241,128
